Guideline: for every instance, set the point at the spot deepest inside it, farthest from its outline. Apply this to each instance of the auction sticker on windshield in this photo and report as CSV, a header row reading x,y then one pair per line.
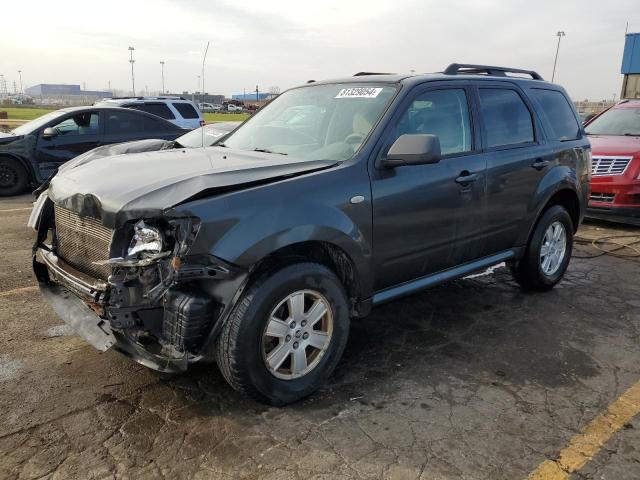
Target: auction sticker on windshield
x,y
359,92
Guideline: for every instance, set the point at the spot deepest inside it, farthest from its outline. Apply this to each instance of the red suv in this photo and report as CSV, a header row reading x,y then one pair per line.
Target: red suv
x,y
615,181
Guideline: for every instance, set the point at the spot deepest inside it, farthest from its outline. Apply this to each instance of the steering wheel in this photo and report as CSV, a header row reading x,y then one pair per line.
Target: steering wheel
x,y
354,138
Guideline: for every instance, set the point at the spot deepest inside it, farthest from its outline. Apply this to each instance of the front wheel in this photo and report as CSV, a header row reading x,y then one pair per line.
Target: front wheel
x,y
13,177
548,253
286,334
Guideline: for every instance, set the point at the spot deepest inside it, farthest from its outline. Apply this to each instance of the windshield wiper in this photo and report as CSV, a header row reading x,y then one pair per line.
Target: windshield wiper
x,y
631,134
264,150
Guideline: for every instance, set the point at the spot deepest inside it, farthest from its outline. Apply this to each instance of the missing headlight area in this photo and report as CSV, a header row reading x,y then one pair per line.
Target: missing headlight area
x,y
156,301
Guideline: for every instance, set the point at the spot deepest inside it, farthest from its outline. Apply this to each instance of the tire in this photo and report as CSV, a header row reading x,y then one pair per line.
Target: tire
x,y
530,271
241,353
13,177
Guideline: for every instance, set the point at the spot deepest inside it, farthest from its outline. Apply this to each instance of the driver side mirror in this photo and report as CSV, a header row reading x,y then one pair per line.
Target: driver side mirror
x,y
413,149
49,132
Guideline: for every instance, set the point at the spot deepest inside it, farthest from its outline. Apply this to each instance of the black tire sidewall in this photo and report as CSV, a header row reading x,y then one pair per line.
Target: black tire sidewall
x,y
272,291
21,177
554,214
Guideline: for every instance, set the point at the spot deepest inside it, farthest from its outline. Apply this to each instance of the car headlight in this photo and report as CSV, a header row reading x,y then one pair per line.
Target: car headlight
x,y
145,239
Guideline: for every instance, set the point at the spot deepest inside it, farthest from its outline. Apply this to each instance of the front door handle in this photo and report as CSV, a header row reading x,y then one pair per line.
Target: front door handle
x,y
466,178
539,164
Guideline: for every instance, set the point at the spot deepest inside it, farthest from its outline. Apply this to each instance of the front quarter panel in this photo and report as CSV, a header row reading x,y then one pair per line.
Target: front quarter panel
x,y
243,227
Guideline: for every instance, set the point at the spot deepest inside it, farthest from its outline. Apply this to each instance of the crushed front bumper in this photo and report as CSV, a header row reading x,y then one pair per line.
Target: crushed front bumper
x,y
77,314
77,300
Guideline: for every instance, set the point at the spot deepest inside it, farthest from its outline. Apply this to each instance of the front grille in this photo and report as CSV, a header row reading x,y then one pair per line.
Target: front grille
x,y
81,241
609,165
602,197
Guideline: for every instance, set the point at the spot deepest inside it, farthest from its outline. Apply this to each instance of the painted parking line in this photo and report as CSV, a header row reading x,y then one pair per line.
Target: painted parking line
x,y
16,209
17,291
588,443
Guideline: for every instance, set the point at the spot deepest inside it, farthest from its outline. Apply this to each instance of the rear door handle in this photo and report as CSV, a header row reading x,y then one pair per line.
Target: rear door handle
x,y
539,164
466,178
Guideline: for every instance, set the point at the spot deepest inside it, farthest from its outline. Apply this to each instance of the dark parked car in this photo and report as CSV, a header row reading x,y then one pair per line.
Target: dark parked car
x,y
259,250
33,151
200,137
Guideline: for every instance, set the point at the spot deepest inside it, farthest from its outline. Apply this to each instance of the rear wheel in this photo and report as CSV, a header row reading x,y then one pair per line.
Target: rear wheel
x,y
548,252
286,334
13,177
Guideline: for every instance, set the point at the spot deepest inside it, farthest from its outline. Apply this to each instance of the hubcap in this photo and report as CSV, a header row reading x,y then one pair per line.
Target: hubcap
x,y
7,176
297,334
554,248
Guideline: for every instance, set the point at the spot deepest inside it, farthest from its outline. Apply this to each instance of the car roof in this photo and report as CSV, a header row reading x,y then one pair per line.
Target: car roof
x,y
145,99
627,103
455,71
102,107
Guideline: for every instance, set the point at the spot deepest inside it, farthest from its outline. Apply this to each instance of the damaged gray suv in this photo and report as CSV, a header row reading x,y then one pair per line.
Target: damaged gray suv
x,y
335,197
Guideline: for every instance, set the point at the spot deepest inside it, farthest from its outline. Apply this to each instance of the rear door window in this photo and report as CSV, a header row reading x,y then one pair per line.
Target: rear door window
x,y
123,123
154,125
186,110
159,109
558,113
507,118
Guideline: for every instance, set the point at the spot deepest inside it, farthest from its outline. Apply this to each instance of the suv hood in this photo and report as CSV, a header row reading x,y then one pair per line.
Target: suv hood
x,y
614,145
119,188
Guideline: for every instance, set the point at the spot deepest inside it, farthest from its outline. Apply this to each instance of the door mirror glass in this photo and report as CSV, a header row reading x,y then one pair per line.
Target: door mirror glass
x,y
49,132
413,149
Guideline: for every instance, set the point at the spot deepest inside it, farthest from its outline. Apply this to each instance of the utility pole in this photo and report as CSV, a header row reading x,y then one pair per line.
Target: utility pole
x,y
133,82
257,94
20,73
162,69
560,34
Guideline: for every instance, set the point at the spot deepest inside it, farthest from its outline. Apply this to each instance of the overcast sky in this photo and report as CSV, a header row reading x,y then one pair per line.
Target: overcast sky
x,y
285,43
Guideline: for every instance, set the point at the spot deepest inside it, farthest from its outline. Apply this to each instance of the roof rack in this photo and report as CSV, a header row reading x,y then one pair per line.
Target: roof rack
x,y
364,74
470,69
163,97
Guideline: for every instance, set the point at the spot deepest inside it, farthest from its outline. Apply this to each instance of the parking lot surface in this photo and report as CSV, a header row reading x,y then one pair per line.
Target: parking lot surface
x,y
472,380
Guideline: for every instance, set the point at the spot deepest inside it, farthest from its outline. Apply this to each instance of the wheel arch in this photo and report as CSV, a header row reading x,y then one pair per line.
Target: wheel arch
x,y
565,196
326,253
23,162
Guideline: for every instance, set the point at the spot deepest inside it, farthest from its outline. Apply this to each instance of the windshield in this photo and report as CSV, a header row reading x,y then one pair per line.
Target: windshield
x,y
616,121
33,125
318,122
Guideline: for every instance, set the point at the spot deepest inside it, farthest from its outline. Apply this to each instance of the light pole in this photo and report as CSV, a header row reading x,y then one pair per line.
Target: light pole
x,y
560,34
162,69
20,73
133,82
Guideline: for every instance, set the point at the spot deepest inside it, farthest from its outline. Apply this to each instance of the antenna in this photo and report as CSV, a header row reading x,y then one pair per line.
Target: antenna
x,y
202,93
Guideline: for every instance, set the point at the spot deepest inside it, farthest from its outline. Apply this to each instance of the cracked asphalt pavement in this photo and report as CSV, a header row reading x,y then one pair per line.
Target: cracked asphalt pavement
x,y
473,380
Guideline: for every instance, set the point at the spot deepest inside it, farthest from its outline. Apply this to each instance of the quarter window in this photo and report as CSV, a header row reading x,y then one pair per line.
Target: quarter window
x,y
507,119
186,110
558,114
159,109
444,113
